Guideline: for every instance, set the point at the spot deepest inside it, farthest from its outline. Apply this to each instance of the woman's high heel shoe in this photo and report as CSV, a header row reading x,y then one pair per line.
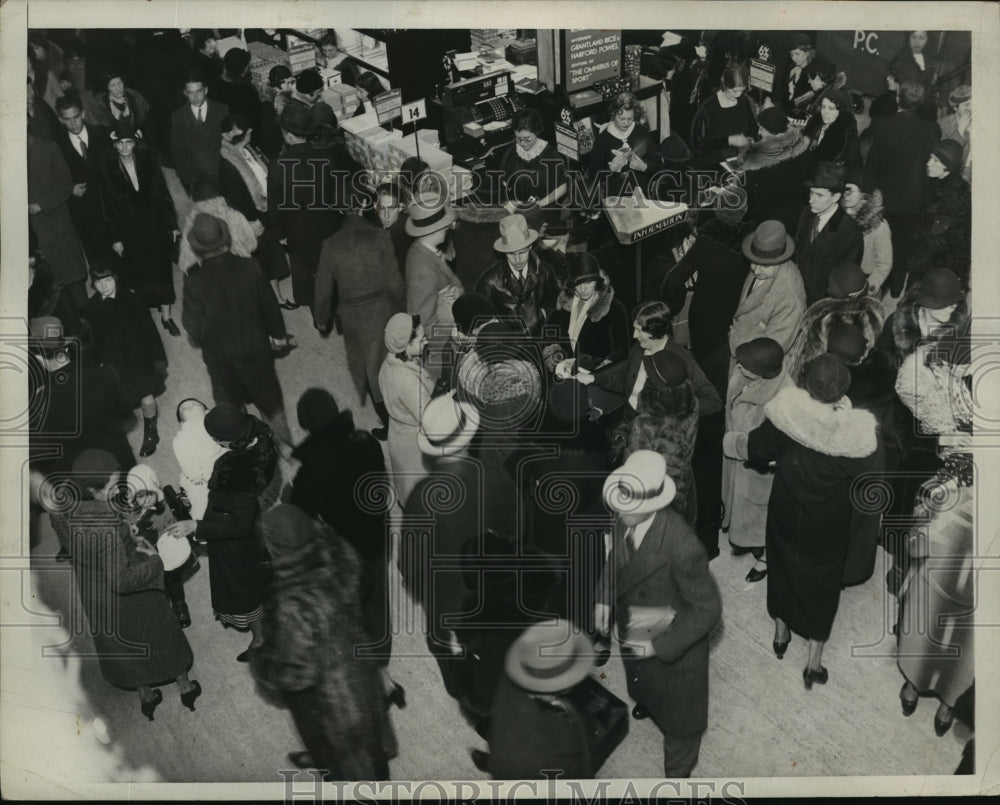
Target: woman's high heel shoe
x,y
396,696
150,706
780,648
908,705
942,725
187,699
809,676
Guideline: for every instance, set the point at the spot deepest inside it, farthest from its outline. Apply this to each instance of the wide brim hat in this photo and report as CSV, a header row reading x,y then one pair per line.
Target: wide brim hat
x,y
515,234
939,288
640,485
208,234
960,94
226,422
429,213
447,426
828,176
549,657
769,244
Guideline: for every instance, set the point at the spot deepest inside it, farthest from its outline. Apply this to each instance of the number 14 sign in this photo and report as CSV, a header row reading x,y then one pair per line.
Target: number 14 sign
x,y
412,112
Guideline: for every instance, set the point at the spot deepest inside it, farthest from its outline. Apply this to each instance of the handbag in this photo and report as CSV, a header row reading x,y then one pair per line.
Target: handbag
x,y
605,716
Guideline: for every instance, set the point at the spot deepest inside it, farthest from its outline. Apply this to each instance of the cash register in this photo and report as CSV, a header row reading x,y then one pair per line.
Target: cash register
x,y
477,117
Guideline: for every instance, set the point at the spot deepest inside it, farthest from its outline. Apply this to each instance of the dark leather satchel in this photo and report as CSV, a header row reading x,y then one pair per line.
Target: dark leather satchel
x,y
605,715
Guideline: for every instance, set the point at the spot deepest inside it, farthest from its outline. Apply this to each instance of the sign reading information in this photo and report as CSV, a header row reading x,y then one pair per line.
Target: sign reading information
x,y
591,55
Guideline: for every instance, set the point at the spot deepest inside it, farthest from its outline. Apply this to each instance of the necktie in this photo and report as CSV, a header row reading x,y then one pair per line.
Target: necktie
x,y
815,230
629,543
753,281
83,148
201,114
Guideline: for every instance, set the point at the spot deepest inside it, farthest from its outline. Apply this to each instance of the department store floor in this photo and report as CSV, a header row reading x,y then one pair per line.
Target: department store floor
x,y
762,722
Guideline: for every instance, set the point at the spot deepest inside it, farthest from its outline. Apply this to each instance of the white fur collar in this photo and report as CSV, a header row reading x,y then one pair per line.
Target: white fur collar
x,y
834,429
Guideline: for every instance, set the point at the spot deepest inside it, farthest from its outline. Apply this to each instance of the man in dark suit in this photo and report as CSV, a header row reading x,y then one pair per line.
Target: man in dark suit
x,y
232,315
826,236
84,145
196,133
659,592
901,145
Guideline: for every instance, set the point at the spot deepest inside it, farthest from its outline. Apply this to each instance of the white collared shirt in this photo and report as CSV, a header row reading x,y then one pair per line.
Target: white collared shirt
x,y
82,137
639,534
824,218
256,167
197,111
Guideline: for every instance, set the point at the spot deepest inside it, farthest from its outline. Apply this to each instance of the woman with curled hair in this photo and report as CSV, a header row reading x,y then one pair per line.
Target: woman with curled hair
x,y
666,422
368,86
726,122
624,154
534,173
406,389
807,72
833,132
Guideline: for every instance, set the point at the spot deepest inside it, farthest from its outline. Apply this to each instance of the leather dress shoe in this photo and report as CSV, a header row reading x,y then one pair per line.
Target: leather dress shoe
x,y
941,726
640,713
909,705
481,760
756,575
603,655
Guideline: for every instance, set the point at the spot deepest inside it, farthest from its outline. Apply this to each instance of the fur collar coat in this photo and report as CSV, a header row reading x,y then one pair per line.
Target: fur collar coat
x,y
864,312
774,149
833,429
904,325
603,338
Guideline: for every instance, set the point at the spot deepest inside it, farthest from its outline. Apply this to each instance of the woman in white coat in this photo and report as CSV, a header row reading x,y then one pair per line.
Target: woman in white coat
x,y
746,490
406,389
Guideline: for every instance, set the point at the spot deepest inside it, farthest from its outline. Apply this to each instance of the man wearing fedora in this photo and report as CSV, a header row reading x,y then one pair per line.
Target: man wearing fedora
x,y
196,133
485,501
773,298
300,199
231,313
520,285
657,590
826,235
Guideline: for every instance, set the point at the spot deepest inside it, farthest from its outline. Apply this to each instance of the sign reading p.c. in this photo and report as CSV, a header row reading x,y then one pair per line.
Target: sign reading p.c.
x,y
412,112
866,41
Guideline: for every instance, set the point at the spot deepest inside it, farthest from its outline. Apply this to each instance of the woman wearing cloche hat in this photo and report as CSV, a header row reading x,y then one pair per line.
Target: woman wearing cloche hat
x,y
944,223
820,445
142,223
406,388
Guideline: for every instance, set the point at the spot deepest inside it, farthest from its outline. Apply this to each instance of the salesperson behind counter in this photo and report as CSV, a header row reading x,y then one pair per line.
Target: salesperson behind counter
x,y
534,173
624,147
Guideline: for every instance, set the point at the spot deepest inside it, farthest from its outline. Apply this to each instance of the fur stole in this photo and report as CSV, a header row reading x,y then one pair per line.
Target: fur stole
x,y
836,429
249,465
243,241
940,401
864,312
868,214
234,156
774,149
601,305
906,326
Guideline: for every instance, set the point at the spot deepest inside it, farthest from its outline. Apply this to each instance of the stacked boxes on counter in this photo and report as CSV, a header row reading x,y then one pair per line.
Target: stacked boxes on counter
x,y
301,56
523,51
343,99
263,57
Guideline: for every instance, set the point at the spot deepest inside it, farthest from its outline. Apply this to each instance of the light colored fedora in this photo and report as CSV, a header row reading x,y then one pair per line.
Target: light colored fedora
x,y
548,657
514,234
447,426
640,485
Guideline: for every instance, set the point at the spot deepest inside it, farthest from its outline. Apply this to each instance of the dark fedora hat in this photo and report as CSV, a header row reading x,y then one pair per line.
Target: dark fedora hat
x,y
827,378
769,244
296,118
939,288
762,356
828,175
665,370
208,234
226,422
